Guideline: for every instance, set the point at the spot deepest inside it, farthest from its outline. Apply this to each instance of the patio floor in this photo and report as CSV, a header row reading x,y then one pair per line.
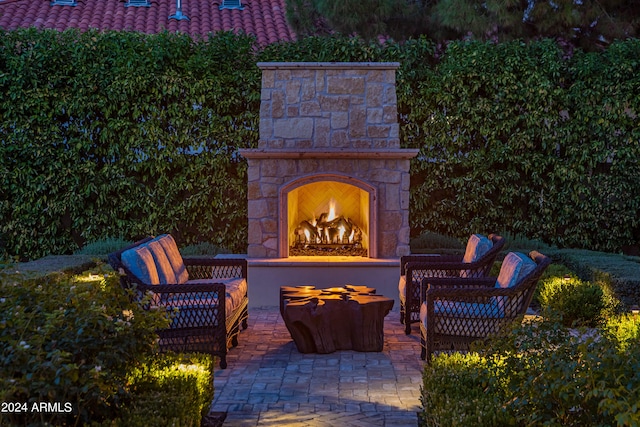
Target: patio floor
x,y
269,383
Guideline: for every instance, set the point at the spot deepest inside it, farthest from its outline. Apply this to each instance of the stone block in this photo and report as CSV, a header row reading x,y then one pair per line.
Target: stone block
x,y
390,114
388,244
275,143
286,167
386,176
308,90
266,129
391,221
257,209
299,127
334,103
374,116
253,170
405,199
345,85
361,143
339,120
255,232
268,79
265,94
375,95
310,108
293,111
283,75
269,190
357,122
268,167
378,76
293,91
303,74
389,97
277,104
269,225
307,166
253,190
392,200
256,251
322,132
339,139
378,131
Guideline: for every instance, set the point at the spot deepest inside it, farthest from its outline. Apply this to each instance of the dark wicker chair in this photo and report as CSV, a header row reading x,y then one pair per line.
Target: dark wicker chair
x,y
204,321
433,265
459,311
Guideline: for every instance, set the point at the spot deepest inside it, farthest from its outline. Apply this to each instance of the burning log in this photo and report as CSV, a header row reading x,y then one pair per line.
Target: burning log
x,y
305,232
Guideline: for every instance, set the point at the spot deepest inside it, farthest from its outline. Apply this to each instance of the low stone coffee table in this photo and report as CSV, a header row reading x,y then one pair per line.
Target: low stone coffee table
x,y
342,318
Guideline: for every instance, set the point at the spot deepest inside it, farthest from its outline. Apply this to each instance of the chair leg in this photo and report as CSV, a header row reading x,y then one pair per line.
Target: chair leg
x,y
223,361
407,325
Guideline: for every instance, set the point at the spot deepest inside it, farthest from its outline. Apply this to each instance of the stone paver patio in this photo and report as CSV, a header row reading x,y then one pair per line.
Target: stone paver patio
x,y
269,383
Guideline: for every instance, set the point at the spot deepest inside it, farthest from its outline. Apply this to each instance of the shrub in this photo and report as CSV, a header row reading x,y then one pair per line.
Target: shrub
x,y
578,303
429,241
170,389
204,248
540,373
71,340
456,392
104,247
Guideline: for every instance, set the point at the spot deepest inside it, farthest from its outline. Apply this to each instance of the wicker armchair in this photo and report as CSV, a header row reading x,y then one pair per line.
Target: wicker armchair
x,y
417,267
459,311
208,303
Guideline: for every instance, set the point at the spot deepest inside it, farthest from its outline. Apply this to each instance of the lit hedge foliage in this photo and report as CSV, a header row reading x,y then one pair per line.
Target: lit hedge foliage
x,y
70,340
540,374
124,134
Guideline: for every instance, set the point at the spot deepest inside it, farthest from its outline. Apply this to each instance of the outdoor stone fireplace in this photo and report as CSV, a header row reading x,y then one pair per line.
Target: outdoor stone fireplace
x,y
328,175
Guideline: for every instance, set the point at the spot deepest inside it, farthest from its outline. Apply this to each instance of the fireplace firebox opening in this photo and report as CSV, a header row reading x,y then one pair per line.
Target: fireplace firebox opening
x,y
326,216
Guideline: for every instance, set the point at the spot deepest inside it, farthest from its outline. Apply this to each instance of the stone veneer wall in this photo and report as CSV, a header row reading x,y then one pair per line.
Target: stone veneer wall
x,y
328,105
331,120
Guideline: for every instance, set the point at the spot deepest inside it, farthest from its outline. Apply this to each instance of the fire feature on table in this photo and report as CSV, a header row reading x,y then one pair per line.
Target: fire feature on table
x,y
328,234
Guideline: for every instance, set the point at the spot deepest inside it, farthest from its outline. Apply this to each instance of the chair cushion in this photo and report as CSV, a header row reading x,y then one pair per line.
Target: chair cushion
x,y
515,266
174,257
140,262
236,290
163,266
477,246
464,318
402,288
202,312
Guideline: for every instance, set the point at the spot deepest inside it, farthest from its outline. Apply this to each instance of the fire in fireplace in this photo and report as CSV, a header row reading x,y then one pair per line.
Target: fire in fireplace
x,y
328,234
327,219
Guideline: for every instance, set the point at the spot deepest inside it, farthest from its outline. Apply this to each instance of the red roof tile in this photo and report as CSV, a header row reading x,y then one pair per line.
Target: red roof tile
x,y
263,18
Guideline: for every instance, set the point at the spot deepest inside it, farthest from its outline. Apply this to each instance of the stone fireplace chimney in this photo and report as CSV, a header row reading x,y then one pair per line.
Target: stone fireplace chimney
x,y
328,127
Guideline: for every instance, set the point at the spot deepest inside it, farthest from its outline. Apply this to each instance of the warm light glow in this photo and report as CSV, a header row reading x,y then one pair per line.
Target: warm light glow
x,y
308,235
332,210
341,231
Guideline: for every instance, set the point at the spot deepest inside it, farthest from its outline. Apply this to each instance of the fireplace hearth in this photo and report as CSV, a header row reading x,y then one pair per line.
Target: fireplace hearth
x,y
328,177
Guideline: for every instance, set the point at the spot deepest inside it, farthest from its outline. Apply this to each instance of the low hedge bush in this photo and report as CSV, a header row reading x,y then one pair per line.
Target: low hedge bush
x,y
540,373
79,347
618,274
171,390
577,302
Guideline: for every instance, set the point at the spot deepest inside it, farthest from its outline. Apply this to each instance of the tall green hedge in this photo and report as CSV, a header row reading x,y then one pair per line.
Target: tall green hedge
x,y
120,135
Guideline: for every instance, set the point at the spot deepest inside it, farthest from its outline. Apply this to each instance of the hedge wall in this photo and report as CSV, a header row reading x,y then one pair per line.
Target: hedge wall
x,y
122,134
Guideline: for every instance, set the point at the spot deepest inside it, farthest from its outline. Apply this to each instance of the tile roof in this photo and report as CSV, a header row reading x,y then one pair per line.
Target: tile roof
x,y
263,18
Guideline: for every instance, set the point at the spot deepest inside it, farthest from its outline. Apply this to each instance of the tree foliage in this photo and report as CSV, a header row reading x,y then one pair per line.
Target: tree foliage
x,y
585,23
